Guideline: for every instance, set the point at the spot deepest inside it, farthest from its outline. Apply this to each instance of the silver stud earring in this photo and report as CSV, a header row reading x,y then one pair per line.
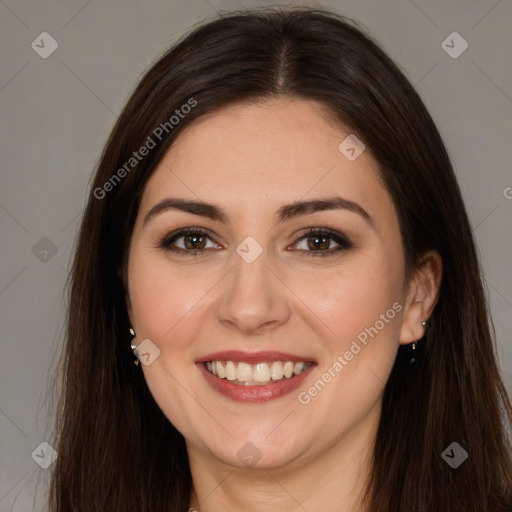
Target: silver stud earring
x,y
133,346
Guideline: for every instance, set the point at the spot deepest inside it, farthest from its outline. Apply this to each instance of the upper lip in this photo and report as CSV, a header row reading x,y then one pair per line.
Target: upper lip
x,y
252,357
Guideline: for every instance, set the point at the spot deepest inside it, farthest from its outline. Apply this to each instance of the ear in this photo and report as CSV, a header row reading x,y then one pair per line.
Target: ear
x,y
421,296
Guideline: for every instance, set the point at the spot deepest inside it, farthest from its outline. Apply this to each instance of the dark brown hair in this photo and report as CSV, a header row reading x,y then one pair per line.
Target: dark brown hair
x,y
117,450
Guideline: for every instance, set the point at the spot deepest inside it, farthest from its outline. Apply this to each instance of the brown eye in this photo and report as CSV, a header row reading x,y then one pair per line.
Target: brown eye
x,y
190,241
194,241
318,242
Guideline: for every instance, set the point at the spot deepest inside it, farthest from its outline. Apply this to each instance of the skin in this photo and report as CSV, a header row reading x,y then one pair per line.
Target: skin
x,y
250,159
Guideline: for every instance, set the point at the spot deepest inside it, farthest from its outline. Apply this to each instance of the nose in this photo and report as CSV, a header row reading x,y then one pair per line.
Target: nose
x,y
254,300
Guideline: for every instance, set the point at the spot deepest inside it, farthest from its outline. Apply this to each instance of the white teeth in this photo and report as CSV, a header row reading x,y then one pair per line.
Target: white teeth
x,y
261,372
244,373
276,370
288,369
231,372
257,374
298,368
220,370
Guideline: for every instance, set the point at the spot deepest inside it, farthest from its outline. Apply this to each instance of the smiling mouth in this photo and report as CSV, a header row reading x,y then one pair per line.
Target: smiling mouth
x,y
259,374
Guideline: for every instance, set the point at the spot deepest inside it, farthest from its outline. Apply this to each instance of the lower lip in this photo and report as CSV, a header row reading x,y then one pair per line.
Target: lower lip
x,y
255,394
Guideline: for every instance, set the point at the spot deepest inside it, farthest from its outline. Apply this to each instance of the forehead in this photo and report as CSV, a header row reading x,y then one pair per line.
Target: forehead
x,y
269,153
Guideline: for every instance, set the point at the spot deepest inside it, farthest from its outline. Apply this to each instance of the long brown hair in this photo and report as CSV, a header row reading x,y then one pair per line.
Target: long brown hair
x,y
117,450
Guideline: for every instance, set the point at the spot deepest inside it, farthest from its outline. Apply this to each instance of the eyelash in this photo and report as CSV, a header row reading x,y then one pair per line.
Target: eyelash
x,y
340,239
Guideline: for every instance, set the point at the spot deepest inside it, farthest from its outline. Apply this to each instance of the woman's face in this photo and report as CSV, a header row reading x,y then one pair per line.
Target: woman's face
x,y
259,296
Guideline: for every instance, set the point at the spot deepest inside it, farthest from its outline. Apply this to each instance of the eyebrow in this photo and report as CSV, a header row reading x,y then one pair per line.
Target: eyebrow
x,y
288,211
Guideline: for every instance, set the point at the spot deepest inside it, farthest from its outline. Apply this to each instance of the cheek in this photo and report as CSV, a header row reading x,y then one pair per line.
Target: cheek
x,y
161,298
363,309
357,300
162,309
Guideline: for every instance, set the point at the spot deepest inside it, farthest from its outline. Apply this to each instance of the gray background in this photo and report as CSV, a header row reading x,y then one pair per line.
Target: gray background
x,y
57,113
